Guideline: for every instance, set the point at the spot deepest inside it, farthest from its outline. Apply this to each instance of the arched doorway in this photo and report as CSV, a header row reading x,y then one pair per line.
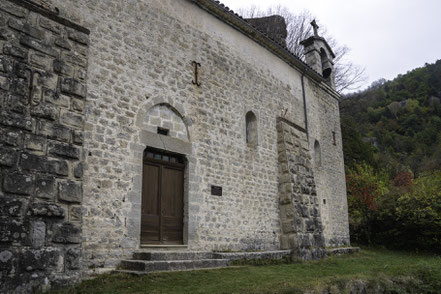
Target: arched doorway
x,y
162,209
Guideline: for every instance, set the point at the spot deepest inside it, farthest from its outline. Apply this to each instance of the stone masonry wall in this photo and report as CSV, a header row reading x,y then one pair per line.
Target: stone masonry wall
x,y
43,62
324,126
141,57
299,208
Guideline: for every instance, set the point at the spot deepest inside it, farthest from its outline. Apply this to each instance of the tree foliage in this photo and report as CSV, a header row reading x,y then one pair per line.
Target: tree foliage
x,y
391,134
399,119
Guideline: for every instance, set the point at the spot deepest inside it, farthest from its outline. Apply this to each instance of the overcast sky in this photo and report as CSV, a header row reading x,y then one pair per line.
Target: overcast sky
x,y
387,37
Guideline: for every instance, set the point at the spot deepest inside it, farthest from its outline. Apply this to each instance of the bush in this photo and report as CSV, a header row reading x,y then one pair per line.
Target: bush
x,y
419,213
400,214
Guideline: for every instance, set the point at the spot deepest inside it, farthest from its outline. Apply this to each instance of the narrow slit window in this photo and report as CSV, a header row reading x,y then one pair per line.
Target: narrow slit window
x,y
163,131
251,129
317,154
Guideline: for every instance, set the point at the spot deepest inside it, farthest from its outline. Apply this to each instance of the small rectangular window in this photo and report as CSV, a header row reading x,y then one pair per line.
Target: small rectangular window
x,y
163,131
333,139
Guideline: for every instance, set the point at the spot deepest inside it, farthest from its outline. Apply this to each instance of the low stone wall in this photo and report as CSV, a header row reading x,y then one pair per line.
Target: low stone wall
x,y
43,61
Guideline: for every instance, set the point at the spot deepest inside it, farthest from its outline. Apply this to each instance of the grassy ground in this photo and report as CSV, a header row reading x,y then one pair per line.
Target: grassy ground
x,y
368,265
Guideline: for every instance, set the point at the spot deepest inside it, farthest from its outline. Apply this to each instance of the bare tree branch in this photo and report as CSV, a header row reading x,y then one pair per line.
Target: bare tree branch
x,y
348,76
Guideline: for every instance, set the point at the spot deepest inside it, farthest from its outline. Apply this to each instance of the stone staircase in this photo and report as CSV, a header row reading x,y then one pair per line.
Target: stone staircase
x,y
160,261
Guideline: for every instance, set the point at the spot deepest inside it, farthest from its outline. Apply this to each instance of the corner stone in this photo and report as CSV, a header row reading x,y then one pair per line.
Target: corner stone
x,y
70,191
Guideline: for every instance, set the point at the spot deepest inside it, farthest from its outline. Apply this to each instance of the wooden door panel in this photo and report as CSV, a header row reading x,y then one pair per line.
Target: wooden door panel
x,y
172,204
172,230
150,190
162,201
150,229
150,208
171,194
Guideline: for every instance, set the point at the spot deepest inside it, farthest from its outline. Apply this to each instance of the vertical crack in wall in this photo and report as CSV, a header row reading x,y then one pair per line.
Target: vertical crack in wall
x,y
300,218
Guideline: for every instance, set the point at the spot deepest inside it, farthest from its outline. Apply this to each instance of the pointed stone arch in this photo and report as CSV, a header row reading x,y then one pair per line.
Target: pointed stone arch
x,y
149,118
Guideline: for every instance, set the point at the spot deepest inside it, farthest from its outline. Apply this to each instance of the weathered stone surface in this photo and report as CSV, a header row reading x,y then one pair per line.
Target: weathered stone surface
x,y
18,183
38,46
11,207
6,64
13,9
16,121
8,157
70,191
63,43
77,137
73,258
45,187
50,25
62,68
46,210
53,131
35,143
46,111
14,51
39,153
78,171
67,233
55,98
78,37
74,87
38,234
64,150
75,213
38,259
72,119
12,230
26,28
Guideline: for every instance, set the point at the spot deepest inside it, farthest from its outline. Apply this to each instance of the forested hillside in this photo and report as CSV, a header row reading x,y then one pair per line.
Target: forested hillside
x,y
392,146
396,124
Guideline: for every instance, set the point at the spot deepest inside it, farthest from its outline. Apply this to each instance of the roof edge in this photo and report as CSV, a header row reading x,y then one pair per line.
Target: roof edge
x,y
226,15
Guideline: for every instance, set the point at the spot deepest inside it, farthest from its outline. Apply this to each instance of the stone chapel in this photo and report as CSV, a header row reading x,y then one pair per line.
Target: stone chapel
x,y
134,128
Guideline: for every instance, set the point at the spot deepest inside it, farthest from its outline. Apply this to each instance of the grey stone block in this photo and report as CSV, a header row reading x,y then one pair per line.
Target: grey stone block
x,y
17,121
38,46
67,233
64,150
53,131
45,187
72,119
73,258
14,51
73,87
70,191
18,183
42,209
38,234
8,157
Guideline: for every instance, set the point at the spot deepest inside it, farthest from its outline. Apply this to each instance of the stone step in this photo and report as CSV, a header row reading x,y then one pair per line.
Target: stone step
x,y
276,254
342,250
172,255
144,266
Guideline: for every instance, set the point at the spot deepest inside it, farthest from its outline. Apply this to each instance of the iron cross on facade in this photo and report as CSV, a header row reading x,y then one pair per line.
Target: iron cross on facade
x,y
196,66
315,27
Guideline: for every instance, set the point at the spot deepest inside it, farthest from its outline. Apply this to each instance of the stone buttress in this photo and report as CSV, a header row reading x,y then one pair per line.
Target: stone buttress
x,y
300,219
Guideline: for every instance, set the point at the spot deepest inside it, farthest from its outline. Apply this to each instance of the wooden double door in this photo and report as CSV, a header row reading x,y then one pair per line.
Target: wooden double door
x,y
162,198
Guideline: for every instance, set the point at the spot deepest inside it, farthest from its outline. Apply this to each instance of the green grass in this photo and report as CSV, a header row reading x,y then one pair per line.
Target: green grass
x,y
368,265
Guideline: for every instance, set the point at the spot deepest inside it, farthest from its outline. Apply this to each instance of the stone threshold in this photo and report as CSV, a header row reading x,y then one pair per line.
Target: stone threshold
x,y
162,247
